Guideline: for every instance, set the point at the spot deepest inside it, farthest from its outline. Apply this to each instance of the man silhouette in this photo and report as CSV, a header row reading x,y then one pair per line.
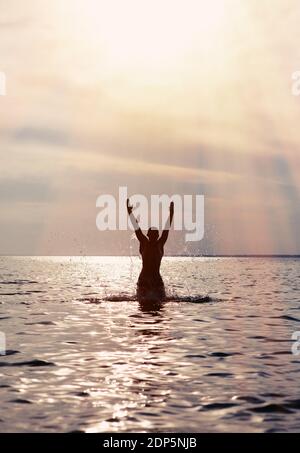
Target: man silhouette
x,y
150,284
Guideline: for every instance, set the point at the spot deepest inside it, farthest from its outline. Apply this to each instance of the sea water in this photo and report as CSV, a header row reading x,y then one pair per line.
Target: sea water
x,y
82,354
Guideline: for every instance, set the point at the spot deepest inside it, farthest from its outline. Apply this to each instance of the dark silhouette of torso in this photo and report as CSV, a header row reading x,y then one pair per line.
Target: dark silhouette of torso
x,y
152,253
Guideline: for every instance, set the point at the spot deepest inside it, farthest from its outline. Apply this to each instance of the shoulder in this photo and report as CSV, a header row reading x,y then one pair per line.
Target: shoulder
x,y
144,241
160,244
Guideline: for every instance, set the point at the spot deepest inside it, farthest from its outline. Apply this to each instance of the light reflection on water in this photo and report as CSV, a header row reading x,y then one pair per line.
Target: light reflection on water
x,y
84,355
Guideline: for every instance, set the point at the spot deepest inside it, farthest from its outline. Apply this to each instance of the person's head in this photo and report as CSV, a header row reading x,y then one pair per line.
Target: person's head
x,y
153,234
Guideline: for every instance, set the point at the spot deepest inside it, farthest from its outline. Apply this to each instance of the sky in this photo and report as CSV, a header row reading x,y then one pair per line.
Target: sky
x,y
163,97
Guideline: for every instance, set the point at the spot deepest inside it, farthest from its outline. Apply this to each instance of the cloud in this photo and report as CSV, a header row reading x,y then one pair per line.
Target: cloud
x,y
24,190
47,136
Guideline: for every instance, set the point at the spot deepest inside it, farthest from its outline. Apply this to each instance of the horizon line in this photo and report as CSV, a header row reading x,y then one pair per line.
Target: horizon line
x,y
166,256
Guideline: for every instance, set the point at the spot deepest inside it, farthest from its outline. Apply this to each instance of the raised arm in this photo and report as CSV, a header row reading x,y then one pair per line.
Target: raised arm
x,y
166,230
141,237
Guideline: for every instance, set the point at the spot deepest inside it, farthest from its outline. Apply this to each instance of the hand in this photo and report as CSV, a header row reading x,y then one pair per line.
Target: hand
x,y
129,208
172,208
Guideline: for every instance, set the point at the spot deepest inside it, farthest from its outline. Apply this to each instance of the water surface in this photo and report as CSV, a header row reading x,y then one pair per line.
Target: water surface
x,y
84,355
